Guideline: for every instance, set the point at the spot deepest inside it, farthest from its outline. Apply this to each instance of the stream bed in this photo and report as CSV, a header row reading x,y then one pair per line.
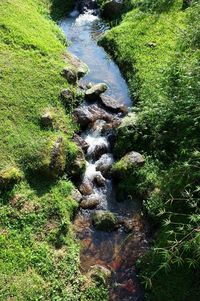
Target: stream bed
x,y
117,250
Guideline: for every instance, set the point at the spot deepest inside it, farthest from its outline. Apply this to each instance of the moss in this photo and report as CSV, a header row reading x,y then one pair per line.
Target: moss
x,y
9,176
104,220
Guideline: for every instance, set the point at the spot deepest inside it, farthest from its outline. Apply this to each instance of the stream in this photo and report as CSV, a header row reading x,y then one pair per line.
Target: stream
x,y
117,250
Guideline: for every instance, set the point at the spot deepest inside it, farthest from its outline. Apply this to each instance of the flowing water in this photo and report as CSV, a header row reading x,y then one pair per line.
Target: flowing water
x,y
117,250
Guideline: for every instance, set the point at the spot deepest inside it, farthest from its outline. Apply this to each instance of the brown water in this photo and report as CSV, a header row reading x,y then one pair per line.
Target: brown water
x,y
117,250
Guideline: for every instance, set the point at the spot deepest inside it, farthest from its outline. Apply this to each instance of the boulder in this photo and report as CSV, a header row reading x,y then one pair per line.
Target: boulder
x,y
86,188
90,202
9,176
135,159
100,180
115,123
94,92
98,150
52,160
83,116
57,158
112,104
77,65
47,118
67,96
79,165
104,164
105,220
70,75
99,113
80,142
76,195
89,114
127,165
98,125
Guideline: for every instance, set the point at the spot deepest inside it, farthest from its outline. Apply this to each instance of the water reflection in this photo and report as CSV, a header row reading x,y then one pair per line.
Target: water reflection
x,y
82,32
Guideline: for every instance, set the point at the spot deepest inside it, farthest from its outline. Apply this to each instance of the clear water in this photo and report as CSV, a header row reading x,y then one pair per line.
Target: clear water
x,y
82,32
116,250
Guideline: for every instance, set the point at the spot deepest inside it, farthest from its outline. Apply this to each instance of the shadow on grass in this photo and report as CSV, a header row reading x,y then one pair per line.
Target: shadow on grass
x,y
40,184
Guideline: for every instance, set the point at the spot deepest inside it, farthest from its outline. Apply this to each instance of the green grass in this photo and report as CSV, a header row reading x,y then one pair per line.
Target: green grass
x,y
39,257
31,51
157,47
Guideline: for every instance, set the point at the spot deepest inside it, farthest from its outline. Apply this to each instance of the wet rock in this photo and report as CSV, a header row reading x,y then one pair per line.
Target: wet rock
x,y
98,125
83,116
80,142
76,195
79,165
111,9
77,65
115,123
47,119
100,180
99,113
86,5
70,75
86,188
94,92
98,150
89,114
104,165
105,220
67,96
100,273
90,202
111,139
112,104
9,176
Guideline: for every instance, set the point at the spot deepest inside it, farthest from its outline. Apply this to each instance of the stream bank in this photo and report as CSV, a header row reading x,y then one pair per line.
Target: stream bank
x,y
118,245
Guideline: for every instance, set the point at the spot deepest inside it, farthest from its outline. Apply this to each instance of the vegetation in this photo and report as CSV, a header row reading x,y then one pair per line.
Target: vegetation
x,y
157,47
39,257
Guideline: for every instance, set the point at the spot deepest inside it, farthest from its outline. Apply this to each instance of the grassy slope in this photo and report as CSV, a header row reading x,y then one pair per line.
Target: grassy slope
x,y
39,257
30,81
157,47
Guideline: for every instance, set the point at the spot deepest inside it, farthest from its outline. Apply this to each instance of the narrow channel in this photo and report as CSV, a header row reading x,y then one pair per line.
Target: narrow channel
x,y
117,250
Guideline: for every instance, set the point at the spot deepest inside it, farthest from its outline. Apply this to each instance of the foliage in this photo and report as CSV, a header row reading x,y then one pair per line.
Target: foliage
x,y
161,50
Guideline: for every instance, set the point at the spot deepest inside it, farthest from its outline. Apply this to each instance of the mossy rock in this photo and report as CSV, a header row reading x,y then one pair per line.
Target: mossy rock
x,y
100,274
105,220
54,158
76,163
9,177
79,67
127,165
79,164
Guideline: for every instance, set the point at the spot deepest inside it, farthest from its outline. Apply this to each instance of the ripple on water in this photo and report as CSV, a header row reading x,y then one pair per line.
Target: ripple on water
x,y
116,250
